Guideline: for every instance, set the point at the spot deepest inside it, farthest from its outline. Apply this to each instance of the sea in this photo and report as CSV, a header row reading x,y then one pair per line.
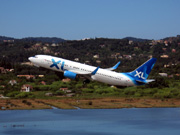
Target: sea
x,y
133,121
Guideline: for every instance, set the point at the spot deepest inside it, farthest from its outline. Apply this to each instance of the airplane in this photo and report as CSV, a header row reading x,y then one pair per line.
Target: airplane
x,y
73,69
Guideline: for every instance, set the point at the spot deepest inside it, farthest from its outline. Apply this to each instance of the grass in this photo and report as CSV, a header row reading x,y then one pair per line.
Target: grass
x,y
22,104
101,98
100,103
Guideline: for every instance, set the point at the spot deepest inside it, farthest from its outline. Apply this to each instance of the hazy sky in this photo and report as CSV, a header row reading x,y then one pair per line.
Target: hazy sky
x,y
77,19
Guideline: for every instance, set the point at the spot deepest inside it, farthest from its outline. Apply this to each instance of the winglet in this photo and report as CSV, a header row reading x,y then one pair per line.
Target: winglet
x,y
95,71
114,67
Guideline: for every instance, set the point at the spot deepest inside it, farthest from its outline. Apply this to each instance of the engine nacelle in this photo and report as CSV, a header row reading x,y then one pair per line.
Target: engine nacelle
x,y
70,74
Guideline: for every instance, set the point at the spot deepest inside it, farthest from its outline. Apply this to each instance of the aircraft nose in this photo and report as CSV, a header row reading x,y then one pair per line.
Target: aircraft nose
x,y
30,58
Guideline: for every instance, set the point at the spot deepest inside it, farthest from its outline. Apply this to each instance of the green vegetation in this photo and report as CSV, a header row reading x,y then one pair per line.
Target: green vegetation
x,y
109,52
162,88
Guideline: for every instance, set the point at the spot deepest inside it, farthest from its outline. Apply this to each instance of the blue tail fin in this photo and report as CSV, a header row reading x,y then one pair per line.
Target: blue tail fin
x,y
142,72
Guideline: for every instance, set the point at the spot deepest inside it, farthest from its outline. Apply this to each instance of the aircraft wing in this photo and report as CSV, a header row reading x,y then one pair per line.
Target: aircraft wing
x,y
114,67
84,73
80,72
87,75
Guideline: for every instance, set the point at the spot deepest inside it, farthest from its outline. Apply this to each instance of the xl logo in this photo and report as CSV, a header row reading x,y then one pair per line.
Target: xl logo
x,y
139,74
55,64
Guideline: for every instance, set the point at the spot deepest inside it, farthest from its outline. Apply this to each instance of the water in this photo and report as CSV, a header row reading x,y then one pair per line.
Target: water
x,y
151,121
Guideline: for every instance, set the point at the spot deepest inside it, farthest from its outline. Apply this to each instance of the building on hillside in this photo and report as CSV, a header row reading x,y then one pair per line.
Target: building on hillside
x,y
27,63
98,61
166,65
102,46
3,70
150,56
66,90
49,94
130,42
173,50
164,49
43,82
87,62
166,43
11,70
96,56
127,57
41,76
113,56
170,76
70,95
164,56
66,80
26,76
163,74
1,96
2,86
12,82
76,59
26,88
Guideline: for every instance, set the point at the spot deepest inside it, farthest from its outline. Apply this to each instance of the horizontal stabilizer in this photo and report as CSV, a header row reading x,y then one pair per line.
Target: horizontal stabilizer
x,y
145,81
141,81
149,80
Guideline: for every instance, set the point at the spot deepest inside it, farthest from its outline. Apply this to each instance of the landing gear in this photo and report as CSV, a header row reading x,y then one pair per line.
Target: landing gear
x,y
86,81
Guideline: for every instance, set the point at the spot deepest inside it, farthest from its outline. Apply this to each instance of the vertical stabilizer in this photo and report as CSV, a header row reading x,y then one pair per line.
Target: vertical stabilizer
x,y
142,72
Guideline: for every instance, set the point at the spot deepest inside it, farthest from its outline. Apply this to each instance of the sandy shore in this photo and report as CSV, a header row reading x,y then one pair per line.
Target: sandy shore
x,y
102,103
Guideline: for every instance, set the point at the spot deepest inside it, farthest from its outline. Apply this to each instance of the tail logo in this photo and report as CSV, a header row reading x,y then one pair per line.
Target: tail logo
x,y
139,74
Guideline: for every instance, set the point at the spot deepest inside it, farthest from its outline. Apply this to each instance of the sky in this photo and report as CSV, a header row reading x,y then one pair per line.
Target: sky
x,y
78,19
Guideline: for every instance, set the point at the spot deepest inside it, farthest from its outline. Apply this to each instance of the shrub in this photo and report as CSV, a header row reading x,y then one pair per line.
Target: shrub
x,y
90,103
59,92
24,95
129,92
12,94
24,101
88,90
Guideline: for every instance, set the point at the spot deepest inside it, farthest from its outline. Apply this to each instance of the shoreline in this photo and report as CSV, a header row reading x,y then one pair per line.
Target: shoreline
x,y
101,103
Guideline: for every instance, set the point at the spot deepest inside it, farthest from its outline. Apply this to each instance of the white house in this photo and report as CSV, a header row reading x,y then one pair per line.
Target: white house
x,y
26,88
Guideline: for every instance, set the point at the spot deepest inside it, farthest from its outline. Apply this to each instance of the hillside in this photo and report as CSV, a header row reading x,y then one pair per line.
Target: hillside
x,y
2,38
43,39
136,39
100,51
33,39
103,52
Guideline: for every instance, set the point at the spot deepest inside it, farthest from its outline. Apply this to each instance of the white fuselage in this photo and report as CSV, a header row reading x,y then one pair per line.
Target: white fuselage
x,y
102,75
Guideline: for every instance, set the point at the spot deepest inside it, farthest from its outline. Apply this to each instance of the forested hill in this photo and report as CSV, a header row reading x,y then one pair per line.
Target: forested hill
x,y
2,38
33,39
136,39
101,52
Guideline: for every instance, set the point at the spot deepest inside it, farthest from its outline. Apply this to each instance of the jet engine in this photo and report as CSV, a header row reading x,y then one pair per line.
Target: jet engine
x,y
70,74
